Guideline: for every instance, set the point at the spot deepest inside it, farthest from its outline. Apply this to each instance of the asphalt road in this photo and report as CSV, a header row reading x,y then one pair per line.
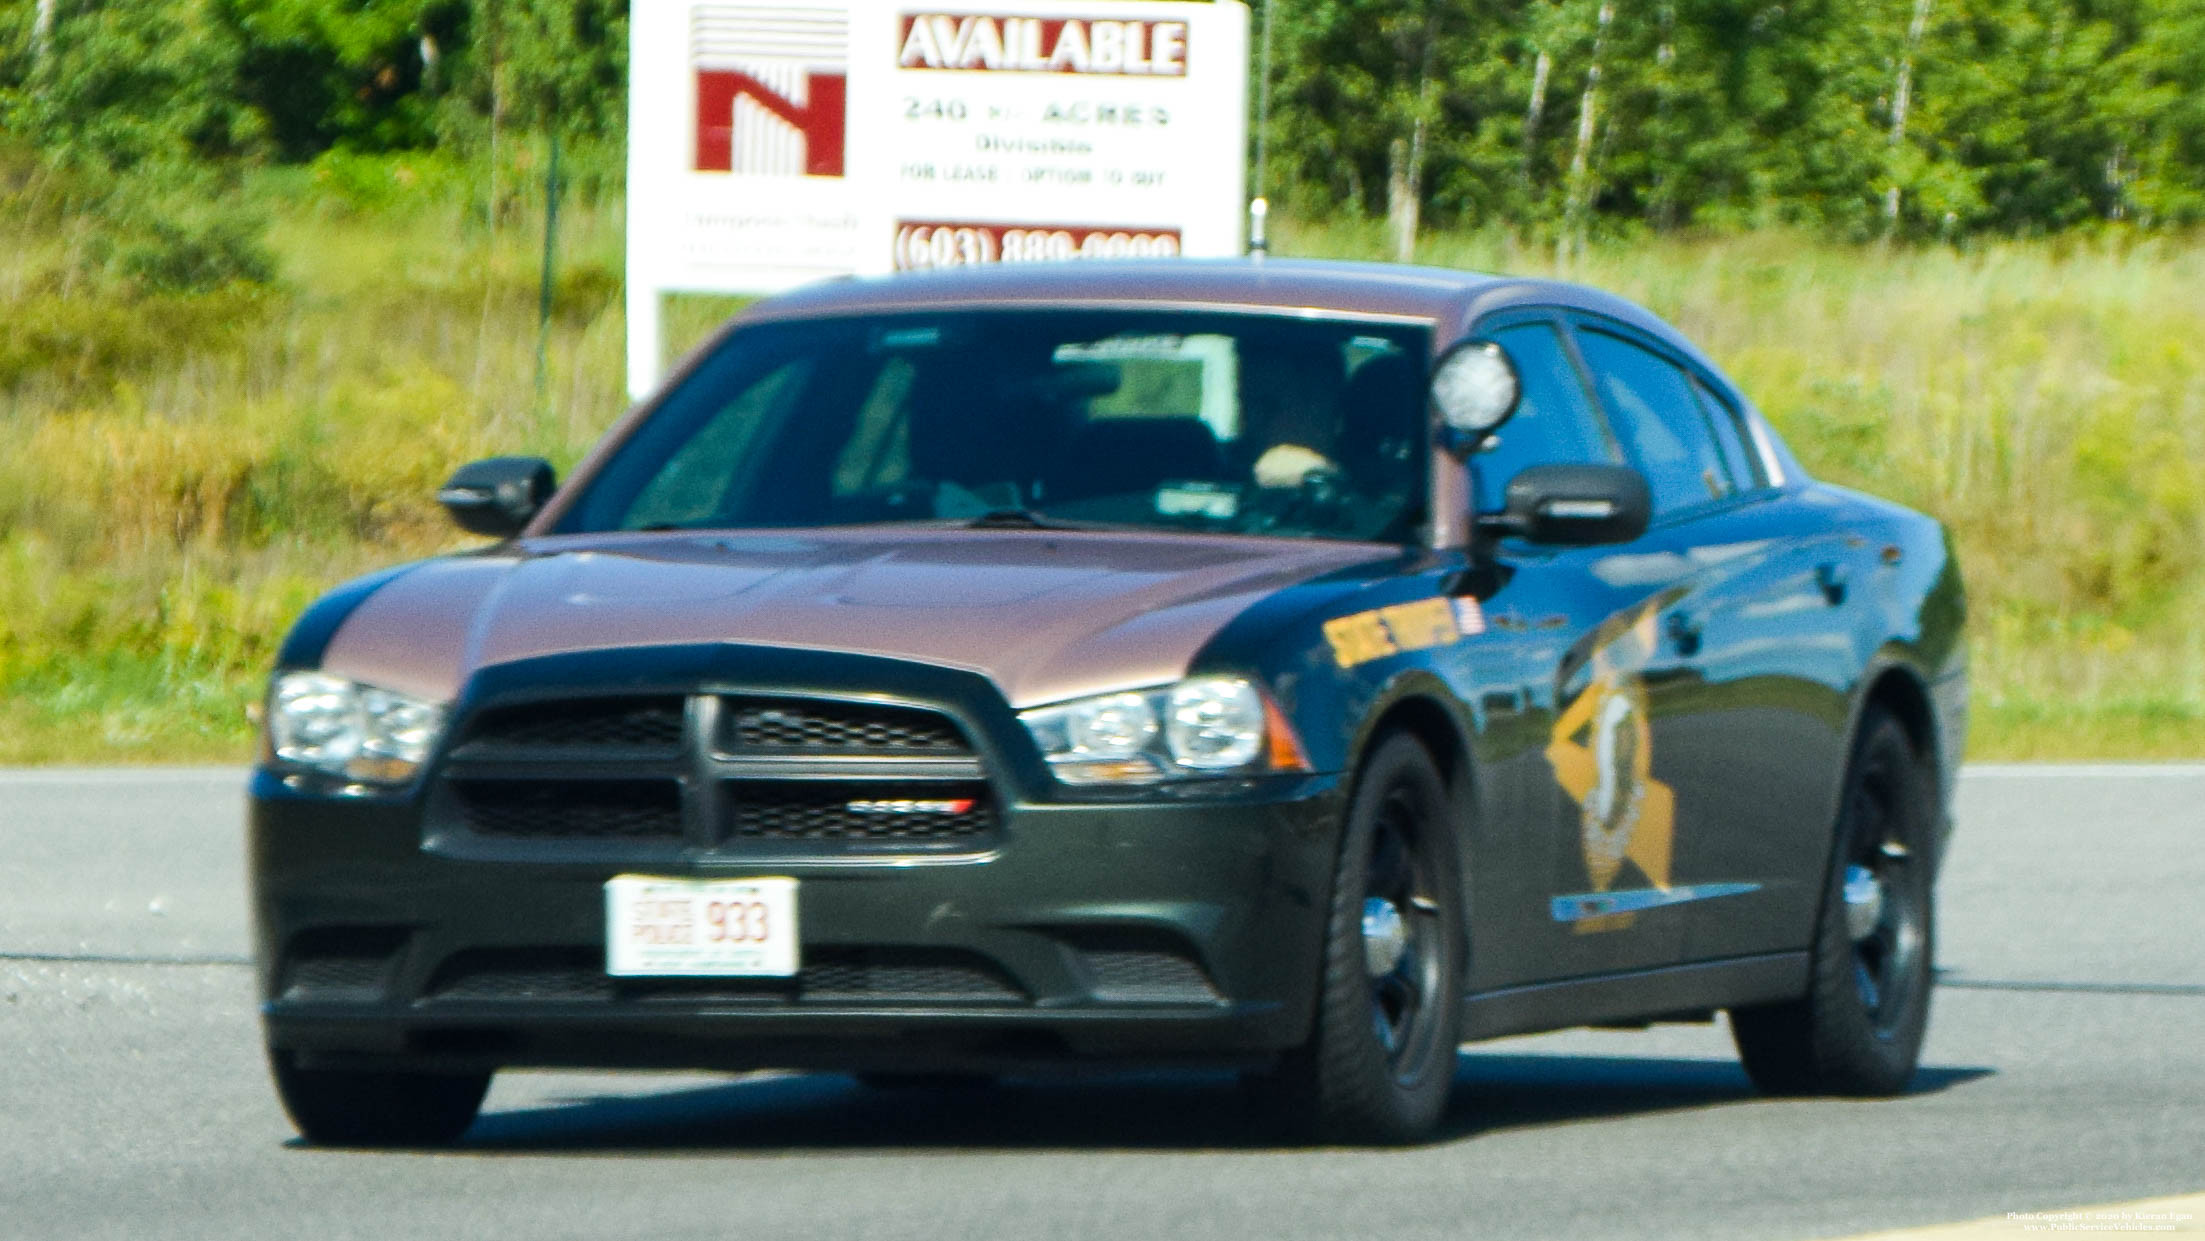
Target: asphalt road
x,y
2064,1068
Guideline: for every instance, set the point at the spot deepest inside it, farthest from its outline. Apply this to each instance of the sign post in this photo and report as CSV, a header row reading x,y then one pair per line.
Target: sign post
x,y
776,143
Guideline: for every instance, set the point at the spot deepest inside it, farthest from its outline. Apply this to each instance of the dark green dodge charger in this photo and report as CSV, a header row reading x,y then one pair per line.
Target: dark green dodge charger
x,y
1296,667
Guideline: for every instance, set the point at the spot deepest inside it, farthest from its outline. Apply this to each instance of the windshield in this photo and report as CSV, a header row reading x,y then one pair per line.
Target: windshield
x,y
1247,424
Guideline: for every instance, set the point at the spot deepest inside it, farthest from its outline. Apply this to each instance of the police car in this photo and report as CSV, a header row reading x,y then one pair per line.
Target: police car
x,y
1298,667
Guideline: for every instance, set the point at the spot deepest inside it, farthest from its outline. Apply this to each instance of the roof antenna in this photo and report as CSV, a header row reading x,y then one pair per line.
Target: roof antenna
x,y
1259,207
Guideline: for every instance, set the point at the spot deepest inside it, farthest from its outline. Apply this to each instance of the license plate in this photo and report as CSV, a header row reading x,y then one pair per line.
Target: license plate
x,y
700,927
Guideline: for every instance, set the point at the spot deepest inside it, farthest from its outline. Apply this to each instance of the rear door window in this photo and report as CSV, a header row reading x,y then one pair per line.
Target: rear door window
x,y
1730,438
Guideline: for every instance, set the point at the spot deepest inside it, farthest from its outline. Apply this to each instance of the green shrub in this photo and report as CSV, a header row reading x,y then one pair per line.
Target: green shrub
x,y
197,252
66,346
166,229
352,182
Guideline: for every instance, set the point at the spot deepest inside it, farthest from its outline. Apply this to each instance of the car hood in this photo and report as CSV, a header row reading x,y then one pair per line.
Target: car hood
x,y
1046,614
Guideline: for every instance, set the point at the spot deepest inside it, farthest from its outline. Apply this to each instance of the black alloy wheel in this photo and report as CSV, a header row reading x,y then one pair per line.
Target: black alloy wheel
x,y
376,1107
1381,1056
1858,1030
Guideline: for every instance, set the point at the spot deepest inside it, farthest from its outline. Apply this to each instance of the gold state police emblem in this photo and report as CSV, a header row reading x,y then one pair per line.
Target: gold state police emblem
x,y
1603,756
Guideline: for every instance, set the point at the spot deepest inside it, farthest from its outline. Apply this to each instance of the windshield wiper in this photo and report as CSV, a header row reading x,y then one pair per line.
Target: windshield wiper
x,y
993,519
1017,519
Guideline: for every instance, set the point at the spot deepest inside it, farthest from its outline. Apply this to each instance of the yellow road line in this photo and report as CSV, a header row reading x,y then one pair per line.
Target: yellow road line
x,y
2184,1215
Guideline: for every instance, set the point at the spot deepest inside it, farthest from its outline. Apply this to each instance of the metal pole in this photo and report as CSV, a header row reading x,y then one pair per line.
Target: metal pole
x,y
1263,105
544,284
1259,208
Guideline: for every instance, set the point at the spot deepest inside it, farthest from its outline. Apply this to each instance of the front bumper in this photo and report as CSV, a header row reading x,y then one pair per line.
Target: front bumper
x,y
1181,932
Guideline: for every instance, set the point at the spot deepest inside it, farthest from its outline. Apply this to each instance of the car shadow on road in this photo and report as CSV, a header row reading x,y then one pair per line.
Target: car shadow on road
x,y
1513,1091
1160,1111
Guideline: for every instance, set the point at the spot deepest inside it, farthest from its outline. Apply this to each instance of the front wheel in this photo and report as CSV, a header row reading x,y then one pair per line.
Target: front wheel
x,y
364,1107
1858,1030
1381,1055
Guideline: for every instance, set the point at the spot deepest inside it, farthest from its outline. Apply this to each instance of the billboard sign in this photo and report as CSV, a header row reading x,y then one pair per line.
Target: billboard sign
x,y
775,143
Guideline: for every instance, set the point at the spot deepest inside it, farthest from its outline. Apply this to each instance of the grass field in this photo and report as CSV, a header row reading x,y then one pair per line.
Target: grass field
x,y
179,475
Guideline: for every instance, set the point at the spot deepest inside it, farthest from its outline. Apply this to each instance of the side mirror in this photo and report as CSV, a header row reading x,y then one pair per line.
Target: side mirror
x,y
496,496
1575,505
1475,388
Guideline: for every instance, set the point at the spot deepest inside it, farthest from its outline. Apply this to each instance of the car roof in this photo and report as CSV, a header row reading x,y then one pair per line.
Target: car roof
x,y
1267,284
1391,290
1449,299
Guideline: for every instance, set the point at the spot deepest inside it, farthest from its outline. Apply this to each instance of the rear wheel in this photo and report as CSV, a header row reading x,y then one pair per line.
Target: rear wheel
x,y
354,1107
1858,1030
1381,1055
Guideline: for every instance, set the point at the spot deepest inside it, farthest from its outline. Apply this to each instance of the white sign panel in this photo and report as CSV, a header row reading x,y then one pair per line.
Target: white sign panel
x,y
771,144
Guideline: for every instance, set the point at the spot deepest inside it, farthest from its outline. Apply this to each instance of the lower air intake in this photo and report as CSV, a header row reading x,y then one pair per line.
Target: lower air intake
x,y
341,963
854,976
1146,975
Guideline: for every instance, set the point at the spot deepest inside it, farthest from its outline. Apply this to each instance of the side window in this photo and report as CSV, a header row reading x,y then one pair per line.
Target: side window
x,y
1554,423
1652,406
1730,439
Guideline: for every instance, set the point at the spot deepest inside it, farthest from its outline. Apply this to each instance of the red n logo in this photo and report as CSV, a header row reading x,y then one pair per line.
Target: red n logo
x,y
791,125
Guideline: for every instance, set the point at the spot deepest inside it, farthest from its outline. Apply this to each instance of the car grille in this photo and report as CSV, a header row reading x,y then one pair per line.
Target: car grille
x,y
836,728
903,977
737,774
521,974
583,725
571,809
828,976
762,810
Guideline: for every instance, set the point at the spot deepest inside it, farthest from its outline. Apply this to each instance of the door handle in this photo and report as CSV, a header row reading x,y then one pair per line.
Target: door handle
x,y
1830,579
1684,633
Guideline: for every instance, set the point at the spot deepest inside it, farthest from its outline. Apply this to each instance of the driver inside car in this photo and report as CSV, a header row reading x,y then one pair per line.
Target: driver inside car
x,y
1290,411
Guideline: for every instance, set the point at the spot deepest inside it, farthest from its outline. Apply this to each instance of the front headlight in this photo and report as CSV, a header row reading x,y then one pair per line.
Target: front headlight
x,y
1112,726
1216,724
1205,726
347,729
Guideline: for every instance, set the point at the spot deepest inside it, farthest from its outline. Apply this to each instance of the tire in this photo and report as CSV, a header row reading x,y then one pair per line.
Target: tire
x,y
1858,1030
348,1107
1381,1054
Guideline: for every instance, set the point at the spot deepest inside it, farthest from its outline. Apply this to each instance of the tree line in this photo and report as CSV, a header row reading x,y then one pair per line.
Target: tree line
x,y
1934,118
1863,118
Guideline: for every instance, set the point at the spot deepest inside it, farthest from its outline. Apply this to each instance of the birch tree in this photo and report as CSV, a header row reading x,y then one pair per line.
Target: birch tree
x,y
1579,194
